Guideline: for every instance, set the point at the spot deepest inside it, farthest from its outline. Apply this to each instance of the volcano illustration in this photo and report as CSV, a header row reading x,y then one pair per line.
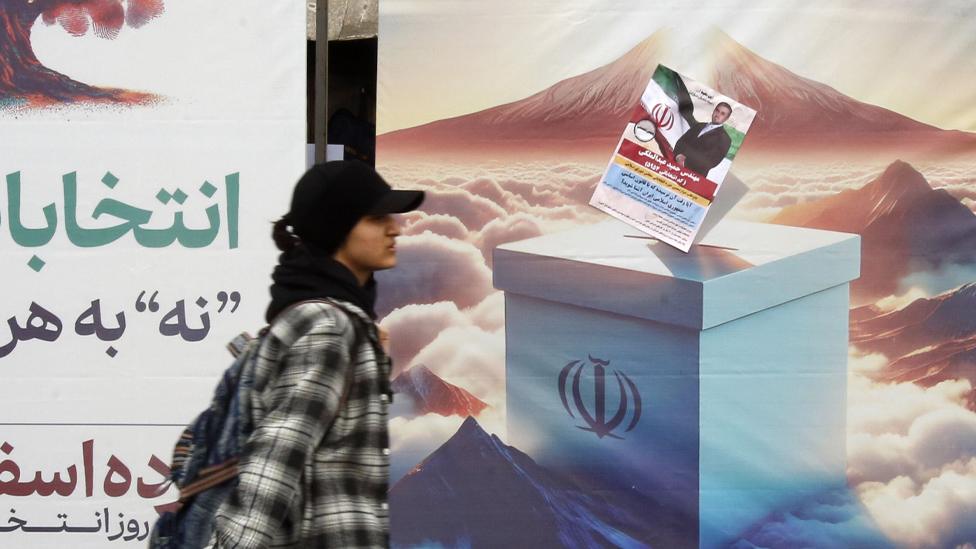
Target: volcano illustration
x,y
588,112
475,491
432,395
904,223
26,82
928,341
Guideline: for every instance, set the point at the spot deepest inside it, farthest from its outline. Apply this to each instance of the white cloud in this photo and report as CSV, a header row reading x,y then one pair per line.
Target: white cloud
x,y
471,358
434,268
865,364
912,460
489,315
553,197
502,231
444,225
911,455
413,327
472,210
937,512
894,302
942,279
942,437
490,189
879,408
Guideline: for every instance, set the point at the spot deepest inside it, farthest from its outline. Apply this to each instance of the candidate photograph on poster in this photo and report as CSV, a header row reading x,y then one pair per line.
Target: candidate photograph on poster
x,y
701,130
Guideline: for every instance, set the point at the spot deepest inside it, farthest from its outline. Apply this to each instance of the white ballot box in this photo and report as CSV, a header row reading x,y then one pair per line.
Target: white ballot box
x,y
693,394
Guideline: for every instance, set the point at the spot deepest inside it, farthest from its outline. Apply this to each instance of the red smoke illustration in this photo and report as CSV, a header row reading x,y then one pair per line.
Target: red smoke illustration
x,y
24,78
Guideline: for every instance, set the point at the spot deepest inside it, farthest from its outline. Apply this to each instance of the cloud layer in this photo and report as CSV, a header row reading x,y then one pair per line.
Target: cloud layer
x,y
912,460
911,450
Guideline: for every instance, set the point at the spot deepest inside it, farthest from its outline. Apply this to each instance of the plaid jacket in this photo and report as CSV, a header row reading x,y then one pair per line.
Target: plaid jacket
x,y
314,472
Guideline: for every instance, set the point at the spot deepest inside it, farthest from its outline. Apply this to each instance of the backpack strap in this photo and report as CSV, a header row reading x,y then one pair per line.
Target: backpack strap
x,y
239,344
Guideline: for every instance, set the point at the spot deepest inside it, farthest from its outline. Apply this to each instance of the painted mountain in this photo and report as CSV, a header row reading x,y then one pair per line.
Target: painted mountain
x,y
928,341
474,491
797,111
904,223
432,395
586,113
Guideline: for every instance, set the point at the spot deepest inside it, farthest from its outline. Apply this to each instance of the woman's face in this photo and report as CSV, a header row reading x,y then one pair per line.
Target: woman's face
x,y
370,246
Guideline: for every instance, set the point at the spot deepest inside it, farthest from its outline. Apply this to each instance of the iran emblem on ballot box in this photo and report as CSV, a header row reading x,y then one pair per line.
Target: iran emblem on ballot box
x,y
597,422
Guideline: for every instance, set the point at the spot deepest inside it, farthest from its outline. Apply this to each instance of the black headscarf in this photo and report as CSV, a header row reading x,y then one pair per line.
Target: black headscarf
x,y
302,275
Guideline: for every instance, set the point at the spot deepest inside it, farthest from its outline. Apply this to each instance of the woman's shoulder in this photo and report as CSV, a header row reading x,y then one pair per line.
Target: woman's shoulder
x,y
322,317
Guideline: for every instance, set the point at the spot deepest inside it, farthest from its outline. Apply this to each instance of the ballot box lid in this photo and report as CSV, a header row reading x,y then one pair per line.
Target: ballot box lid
x,y
740,268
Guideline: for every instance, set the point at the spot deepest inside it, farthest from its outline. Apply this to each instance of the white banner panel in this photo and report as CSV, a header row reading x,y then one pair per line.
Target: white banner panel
x,y
145,149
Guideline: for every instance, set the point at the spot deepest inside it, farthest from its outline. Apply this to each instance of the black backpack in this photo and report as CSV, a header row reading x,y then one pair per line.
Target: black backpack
x,y
205,457
204,465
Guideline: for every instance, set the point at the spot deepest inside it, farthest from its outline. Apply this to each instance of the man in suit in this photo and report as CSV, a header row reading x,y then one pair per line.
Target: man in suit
x,y
704,145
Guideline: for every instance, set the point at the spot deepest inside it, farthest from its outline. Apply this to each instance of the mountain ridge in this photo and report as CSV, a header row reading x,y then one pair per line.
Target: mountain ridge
x,y
431,394
928,341
588,112
904,223
474,490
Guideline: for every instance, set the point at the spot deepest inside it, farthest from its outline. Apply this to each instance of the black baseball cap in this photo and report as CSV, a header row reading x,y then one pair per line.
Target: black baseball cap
x,y
332,197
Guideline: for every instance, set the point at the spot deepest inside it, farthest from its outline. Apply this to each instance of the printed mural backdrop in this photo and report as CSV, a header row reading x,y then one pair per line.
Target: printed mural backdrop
x,y
506,113
145,147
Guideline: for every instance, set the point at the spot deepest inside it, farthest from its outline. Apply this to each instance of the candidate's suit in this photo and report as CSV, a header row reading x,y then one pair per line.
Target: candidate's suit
x,y
705,152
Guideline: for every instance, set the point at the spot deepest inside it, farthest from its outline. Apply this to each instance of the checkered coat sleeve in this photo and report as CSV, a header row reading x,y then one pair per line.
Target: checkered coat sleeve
x,y
314,472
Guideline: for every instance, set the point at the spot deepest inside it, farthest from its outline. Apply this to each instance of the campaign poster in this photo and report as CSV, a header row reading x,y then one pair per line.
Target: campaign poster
x,y
672,157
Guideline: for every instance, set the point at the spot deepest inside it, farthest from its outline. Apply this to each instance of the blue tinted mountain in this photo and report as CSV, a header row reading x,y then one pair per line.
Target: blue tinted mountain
x,y
904,223
432,395
474,491
928,341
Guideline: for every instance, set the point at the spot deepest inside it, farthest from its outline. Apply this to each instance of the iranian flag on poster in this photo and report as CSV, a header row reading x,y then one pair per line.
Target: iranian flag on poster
x,y
672,157
658,116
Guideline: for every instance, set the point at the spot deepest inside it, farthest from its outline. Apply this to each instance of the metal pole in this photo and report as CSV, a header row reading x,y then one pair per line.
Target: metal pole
x,y
320,124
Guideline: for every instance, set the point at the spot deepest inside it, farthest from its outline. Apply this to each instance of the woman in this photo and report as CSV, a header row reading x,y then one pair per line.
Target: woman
x,y
314,472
